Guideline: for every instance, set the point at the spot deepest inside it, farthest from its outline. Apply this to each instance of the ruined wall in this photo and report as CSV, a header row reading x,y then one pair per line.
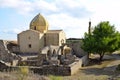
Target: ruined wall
x,y
74,67
63,70
76,44
13,47
53,69
5,54
85,60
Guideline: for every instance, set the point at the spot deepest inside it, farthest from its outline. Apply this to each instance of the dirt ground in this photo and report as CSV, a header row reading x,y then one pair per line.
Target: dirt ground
x,y
98,71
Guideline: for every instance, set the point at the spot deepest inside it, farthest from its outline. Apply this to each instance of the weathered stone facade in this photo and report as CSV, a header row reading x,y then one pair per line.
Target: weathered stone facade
x,y
76,44
30,41
44,51
38,36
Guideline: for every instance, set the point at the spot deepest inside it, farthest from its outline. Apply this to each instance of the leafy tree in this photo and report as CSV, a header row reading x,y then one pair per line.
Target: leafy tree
x,y
104,38
88,43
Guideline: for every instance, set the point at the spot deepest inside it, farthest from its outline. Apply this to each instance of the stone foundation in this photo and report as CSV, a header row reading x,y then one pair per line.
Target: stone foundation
x,y
61,70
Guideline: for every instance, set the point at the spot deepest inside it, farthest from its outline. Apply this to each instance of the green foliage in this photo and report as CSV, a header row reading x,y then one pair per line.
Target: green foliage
x,y
104,38
88,43
23,72
55,77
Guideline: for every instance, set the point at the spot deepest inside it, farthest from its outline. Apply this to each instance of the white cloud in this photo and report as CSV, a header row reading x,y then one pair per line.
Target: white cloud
x,y
22,6
104,10
72,26
42,5
69,15
12,31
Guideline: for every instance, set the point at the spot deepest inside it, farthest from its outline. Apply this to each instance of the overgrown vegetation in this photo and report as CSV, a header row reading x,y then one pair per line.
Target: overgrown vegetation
x,y
55,77
104,39
23,73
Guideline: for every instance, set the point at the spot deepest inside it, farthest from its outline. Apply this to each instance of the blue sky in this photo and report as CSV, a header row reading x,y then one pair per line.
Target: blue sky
x,y
70,15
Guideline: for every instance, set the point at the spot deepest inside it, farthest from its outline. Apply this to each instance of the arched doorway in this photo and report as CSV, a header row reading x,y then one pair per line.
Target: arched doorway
x,y
54,53
49,54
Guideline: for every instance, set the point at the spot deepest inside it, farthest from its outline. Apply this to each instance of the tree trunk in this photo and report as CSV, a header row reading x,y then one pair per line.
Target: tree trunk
x,y
88,55
101,56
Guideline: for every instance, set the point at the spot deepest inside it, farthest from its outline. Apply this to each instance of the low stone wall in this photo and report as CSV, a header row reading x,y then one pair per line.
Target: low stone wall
x,y
28,63
85,60
74,67
54,70
62,70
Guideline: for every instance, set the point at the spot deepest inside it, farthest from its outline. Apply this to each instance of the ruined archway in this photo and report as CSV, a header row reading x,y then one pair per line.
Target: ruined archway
x,y
54,53
49,54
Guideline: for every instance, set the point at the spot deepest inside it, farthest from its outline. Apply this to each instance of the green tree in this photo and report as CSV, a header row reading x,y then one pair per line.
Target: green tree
x,y
104,38
88,43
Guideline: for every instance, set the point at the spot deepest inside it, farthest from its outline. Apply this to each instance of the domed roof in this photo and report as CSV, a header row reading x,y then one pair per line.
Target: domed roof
x,y
38,20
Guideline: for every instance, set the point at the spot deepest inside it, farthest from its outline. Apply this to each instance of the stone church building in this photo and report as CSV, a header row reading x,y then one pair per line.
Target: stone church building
x,y
39,36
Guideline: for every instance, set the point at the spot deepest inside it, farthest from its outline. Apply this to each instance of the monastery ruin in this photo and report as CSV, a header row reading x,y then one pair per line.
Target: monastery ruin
x,y
44,51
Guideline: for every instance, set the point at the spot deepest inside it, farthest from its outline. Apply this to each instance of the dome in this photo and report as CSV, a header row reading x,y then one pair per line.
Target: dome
x,y
39,23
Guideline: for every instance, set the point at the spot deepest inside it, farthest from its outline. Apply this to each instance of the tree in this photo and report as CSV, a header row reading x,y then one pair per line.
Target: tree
x,y
88,43
103,39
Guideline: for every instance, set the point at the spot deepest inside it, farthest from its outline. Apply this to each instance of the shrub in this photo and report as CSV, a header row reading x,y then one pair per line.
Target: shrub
x,y
23,73
51,77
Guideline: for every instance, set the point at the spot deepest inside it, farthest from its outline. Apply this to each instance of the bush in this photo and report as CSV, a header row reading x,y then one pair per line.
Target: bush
x,y
23,73
51,77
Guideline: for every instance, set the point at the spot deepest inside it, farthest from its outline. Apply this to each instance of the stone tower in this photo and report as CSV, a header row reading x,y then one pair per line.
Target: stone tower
x,y
89,28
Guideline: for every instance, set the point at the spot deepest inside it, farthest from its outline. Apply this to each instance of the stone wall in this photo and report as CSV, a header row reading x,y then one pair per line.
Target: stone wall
x,y
53,70
76,44
13,47
3,66
74,67
62,70
30,41
85,60
5,54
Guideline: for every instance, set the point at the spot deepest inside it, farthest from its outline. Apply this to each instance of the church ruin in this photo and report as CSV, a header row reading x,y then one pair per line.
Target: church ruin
x,y
44,51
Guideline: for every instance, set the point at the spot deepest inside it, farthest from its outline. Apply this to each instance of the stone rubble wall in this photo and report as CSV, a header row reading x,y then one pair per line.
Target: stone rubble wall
x,y
76,47
52,69
5,54
62,70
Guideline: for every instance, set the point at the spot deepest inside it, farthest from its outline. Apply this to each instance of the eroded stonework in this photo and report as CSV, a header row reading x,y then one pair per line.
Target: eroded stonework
x,y
38,36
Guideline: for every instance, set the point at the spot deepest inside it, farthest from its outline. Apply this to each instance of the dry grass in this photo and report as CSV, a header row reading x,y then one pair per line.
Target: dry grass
x,y
21,74
51,77
94,71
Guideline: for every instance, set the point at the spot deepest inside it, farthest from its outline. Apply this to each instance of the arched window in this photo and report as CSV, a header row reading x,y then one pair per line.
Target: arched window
x,y
48,53
62,41
34,27
54,52
29,46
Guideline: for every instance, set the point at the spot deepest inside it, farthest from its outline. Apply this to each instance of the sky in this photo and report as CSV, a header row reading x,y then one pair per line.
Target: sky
x,y
70,15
